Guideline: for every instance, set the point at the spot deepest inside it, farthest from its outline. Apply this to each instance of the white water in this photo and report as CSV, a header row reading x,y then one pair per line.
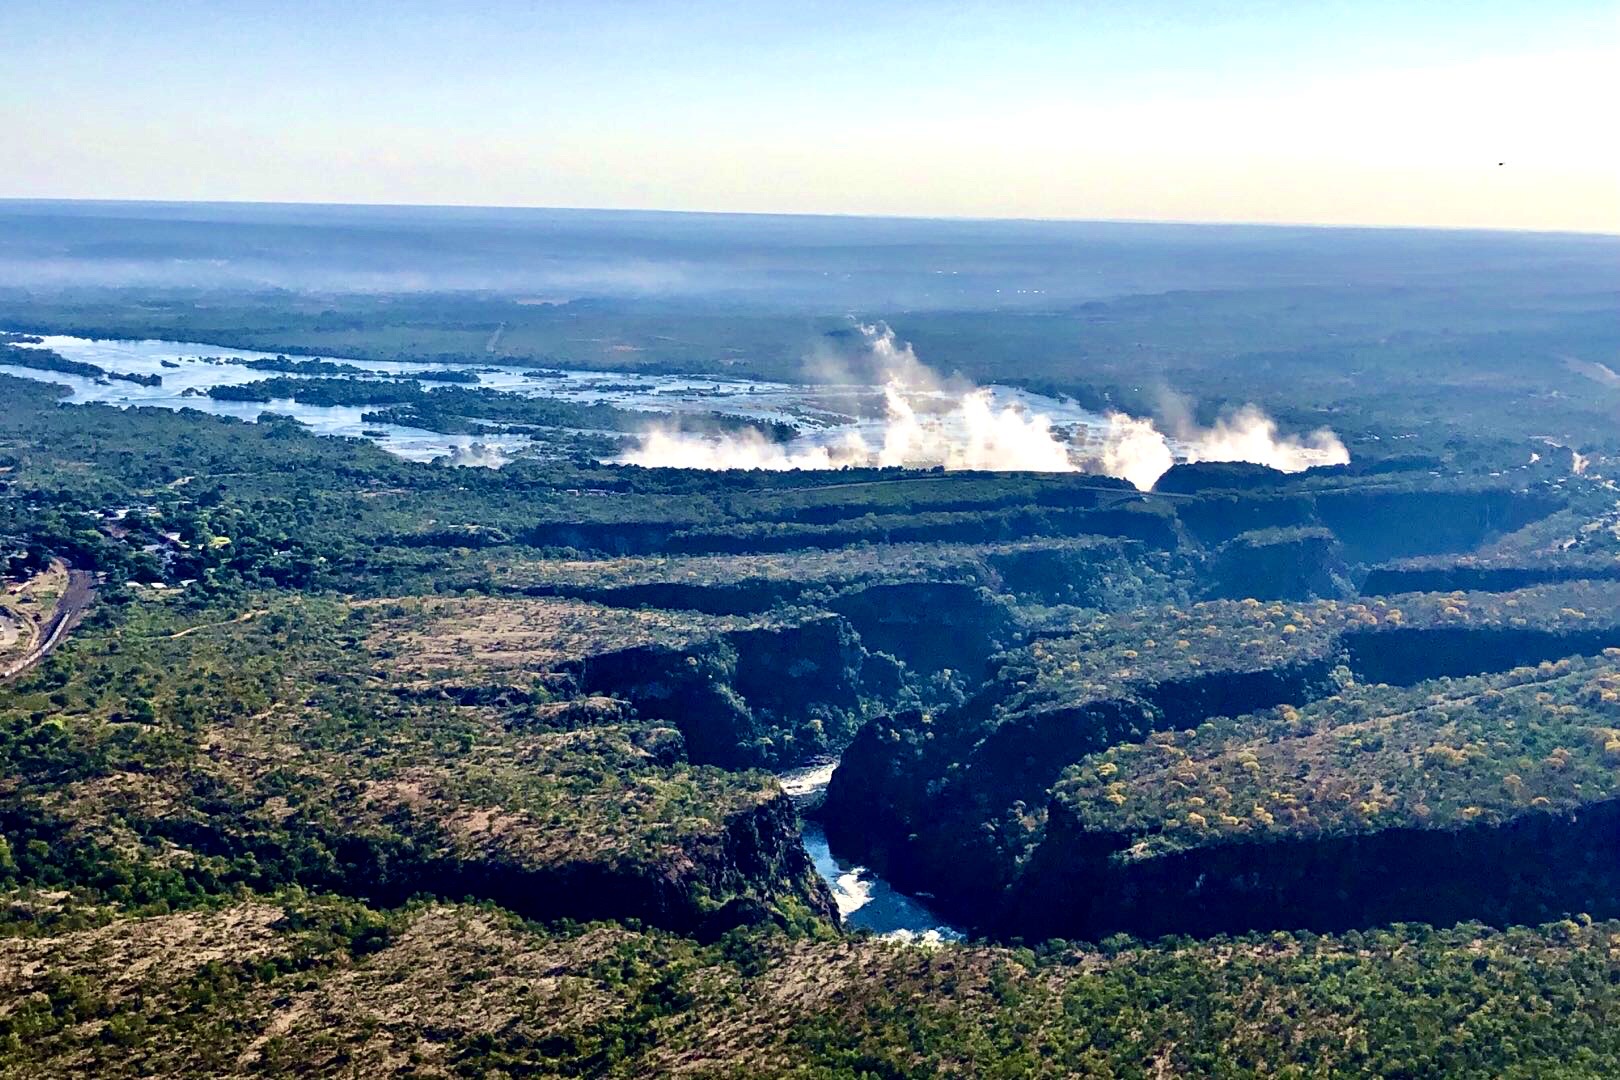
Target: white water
x,y
198,367
865,901
824,415
933,421
922,421
190,369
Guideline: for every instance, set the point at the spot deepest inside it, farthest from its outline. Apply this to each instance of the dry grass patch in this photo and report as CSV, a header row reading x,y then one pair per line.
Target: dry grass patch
x,y
514,640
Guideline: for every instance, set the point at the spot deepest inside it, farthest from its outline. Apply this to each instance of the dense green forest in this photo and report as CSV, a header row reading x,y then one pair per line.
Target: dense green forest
x,y
319,761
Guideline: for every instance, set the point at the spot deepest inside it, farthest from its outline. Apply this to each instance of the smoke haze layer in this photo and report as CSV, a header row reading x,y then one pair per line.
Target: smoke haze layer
x,y
929,421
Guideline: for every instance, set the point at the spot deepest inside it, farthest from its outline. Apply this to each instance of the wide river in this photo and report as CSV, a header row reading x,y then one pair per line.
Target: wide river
x,y
189,369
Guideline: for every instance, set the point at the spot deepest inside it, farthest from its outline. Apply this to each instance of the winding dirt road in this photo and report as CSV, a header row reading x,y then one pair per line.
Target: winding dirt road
x,y
70,608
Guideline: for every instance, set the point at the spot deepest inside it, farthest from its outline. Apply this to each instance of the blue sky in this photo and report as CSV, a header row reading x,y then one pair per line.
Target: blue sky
x,y
1373,112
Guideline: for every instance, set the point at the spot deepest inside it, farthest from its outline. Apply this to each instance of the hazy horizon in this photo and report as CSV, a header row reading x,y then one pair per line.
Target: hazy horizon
x,y
316,204
822,263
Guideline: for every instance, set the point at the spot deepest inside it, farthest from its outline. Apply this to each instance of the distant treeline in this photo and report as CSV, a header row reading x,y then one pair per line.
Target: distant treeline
x,y
47,360
327,367
458,410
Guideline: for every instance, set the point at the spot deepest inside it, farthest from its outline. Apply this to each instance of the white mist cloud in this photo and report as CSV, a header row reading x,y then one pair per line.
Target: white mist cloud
x,y
897,360
476,455
930,421
1250,435
971,433
1134,450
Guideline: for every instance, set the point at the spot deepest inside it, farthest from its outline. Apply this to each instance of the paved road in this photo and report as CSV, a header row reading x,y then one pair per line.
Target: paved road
x,y
70,608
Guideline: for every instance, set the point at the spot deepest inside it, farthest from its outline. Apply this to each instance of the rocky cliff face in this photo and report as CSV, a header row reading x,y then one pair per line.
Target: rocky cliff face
x,y
1421,575
787,670
757,855
1149,524
711,598
688,687
1280,564
959,806
1187,702
765,696
1379,525
1529,869
950,805
956,823
1406,656
1065,575
760,858
1216,517
752,866
930,625
614,538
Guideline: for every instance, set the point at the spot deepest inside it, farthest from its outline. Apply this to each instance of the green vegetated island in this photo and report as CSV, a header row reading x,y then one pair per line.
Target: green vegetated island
x,y
357,766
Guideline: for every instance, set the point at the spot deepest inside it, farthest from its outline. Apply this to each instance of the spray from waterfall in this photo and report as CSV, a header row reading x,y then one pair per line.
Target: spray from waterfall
x,y
931,421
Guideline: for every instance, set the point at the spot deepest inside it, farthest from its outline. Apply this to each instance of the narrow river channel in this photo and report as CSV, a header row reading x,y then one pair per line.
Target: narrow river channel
x,y
865,900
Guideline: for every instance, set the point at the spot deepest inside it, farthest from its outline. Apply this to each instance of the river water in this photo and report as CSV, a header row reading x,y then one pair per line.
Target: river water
x,y
188,369
865,900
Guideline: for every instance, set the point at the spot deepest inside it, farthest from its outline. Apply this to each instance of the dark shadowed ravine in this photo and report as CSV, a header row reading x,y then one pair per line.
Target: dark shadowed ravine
x,y
865,900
